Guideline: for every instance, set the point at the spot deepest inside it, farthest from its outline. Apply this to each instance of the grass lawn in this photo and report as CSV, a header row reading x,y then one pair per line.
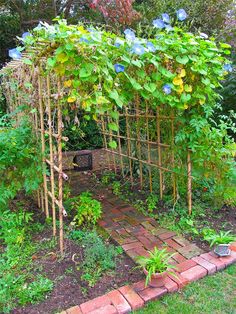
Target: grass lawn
x,y
213,294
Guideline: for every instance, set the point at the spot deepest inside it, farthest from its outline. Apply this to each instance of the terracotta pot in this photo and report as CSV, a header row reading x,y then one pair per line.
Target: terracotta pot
x,y
157,280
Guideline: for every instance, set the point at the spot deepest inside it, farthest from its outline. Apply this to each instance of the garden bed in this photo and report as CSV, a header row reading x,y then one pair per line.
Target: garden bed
x,y
65,273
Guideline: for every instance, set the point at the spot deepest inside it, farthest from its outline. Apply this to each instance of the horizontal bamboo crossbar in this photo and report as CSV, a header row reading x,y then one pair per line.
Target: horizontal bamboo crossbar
x,y
64,175
58,204
139,115
64,138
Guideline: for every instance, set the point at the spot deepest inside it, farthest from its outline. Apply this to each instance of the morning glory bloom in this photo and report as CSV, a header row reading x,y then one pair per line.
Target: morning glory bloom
x,y
84,40
228,67
119,68
169,28
138,49
14,54
26,34
151,47
158,23
181,15
166,18
118,42
166,89
203,35
129,34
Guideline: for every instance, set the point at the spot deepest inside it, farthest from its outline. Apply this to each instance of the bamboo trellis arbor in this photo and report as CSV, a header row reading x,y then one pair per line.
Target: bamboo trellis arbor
x,y
141,142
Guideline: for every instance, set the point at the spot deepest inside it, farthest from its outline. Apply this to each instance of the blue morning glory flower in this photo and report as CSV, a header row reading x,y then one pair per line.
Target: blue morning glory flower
x,y
169,28
166,18
129,34
118,42
14,54
151,47
228,67
138,49
166,89
181,15
119,68
26,34
84,40
158,23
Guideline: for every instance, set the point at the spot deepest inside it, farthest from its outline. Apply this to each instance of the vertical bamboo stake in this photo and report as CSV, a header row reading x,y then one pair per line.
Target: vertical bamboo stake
x,y
148,145
173,156
105,141
189,164
159,152
129,145
51,156
110,136
120,148
43,142
60,178
138,142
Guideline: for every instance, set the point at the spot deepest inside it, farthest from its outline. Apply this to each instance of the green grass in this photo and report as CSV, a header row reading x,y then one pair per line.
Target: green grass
x,y
214,295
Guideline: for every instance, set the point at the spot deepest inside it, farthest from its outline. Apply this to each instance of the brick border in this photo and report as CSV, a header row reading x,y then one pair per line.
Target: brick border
x,y
133,297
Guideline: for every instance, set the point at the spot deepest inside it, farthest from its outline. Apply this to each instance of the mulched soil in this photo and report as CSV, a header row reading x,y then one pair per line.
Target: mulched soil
x,y
69,289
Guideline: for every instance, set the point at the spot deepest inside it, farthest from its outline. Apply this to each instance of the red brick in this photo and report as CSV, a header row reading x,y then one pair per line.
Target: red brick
x,y
132,297
214,260
132,253
228,260
131,246
211,268
194,273
74,310
181,241
185,265
119,302
108,309
143,240
141,251
139,286
166,235
180,280
179,258
233,246
94,304
173,244
149,294
171,285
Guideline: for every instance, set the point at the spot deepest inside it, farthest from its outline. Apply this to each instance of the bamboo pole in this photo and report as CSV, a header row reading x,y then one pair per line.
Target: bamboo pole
x,y
173,158
110,137
52,179
120,148
148,147
105,141
60,178
139,142
189,188
159,153
43,141
129,146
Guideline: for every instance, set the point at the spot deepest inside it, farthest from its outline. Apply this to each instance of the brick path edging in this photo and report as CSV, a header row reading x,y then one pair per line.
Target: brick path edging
x,y
132,297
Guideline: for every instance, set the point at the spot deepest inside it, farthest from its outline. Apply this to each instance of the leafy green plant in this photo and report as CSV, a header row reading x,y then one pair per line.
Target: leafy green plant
x,y
98,256
223,237
107,177
151,202
88,209
116,188
156,262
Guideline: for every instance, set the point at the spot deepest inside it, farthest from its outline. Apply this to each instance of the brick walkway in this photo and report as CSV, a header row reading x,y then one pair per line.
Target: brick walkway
x,y
137,234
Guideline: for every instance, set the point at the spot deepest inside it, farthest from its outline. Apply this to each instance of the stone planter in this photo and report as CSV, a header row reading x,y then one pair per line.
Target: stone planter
x,y
157,280
222,250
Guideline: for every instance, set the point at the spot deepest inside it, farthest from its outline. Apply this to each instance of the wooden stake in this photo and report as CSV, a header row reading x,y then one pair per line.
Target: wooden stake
x,y
159,152
189,182
139,142
148,146
129,146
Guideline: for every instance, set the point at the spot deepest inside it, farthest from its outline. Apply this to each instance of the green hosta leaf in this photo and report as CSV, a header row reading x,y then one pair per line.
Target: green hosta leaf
x,y
112,144
182,60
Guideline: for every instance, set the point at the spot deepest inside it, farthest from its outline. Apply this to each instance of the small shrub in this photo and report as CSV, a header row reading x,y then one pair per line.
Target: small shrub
x,y
88,210
151,202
